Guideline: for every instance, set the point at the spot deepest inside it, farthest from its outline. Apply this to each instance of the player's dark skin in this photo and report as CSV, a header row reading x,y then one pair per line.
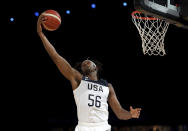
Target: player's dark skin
x,y
89,69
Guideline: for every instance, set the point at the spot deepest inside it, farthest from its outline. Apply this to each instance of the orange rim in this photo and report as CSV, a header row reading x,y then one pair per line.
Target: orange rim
x,y
142,18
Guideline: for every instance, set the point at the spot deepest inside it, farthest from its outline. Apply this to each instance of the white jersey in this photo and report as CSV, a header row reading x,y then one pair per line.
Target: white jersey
x,y
91,100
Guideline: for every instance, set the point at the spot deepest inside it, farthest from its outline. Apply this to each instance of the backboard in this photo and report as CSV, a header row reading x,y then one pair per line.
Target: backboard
x,y
173,11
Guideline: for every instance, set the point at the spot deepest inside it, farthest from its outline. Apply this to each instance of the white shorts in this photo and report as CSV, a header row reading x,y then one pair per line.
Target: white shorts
x,y
93,126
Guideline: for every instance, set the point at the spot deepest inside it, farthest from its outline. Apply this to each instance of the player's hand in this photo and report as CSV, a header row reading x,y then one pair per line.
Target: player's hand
x,y
135,113
39,22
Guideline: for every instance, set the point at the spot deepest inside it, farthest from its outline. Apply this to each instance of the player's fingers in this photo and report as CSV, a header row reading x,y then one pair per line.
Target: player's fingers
x,y
40,19
38,24
137,116
44,18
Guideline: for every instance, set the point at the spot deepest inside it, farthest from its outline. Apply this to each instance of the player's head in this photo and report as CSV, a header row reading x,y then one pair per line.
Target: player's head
x,y
88,67
97,68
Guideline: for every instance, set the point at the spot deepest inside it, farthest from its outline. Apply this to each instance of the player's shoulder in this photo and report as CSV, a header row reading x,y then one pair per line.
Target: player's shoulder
x,y
110,85
104,82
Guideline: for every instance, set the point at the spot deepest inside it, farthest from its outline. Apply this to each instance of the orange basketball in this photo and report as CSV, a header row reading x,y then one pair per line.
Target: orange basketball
x,y
53,20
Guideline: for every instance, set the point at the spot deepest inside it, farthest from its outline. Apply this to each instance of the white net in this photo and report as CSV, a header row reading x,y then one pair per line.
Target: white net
x,y
152,31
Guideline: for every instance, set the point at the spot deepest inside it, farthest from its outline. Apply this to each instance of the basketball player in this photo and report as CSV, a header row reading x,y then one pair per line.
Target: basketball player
x,y
90,93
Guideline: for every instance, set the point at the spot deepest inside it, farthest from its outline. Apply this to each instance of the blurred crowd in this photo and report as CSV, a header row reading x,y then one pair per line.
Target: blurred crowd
x,y
137,128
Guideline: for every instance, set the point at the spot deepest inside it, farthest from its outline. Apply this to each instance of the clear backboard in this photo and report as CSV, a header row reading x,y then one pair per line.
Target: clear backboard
x,y
174,11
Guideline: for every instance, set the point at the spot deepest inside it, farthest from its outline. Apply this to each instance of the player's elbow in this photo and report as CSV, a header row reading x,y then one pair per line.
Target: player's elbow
x,y
54,55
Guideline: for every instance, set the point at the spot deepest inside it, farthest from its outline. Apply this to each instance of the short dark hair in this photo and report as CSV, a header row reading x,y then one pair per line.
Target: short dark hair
x,y
98,64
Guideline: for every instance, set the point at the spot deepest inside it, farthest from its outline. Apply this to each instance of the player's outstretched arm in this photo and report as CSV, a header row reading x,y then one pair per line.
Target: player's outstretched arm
x,y
64,67
121,113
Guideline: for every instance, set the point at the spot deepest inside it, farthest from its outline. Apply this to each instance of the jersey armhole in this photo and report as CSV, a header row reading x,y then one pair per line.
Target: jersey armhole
x,y
75,90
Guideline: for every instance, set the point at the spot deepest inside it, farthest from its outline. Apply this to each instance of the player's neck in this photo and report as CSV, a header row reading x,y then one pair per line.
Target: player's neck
x,y
93,76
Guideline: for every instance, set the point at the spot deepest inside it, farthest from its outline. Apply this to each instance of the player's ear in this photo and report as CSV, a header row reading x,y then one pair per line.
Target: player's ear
x,y
96,68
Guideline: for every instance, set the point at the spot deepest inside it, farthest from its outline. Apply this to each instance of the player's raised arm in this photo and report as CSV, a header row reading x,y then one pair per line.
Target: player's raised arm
x,y
64,67
121,113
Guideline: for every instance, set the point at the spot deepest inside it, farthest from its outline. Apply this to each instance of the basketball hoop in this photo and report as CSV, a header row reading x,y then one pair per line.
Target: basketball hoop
x,y
152,31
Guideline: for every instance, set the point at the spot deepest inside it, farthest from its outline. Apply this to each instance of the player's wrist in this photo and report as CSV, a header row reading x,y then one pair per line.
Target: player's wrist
x,y
40,33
